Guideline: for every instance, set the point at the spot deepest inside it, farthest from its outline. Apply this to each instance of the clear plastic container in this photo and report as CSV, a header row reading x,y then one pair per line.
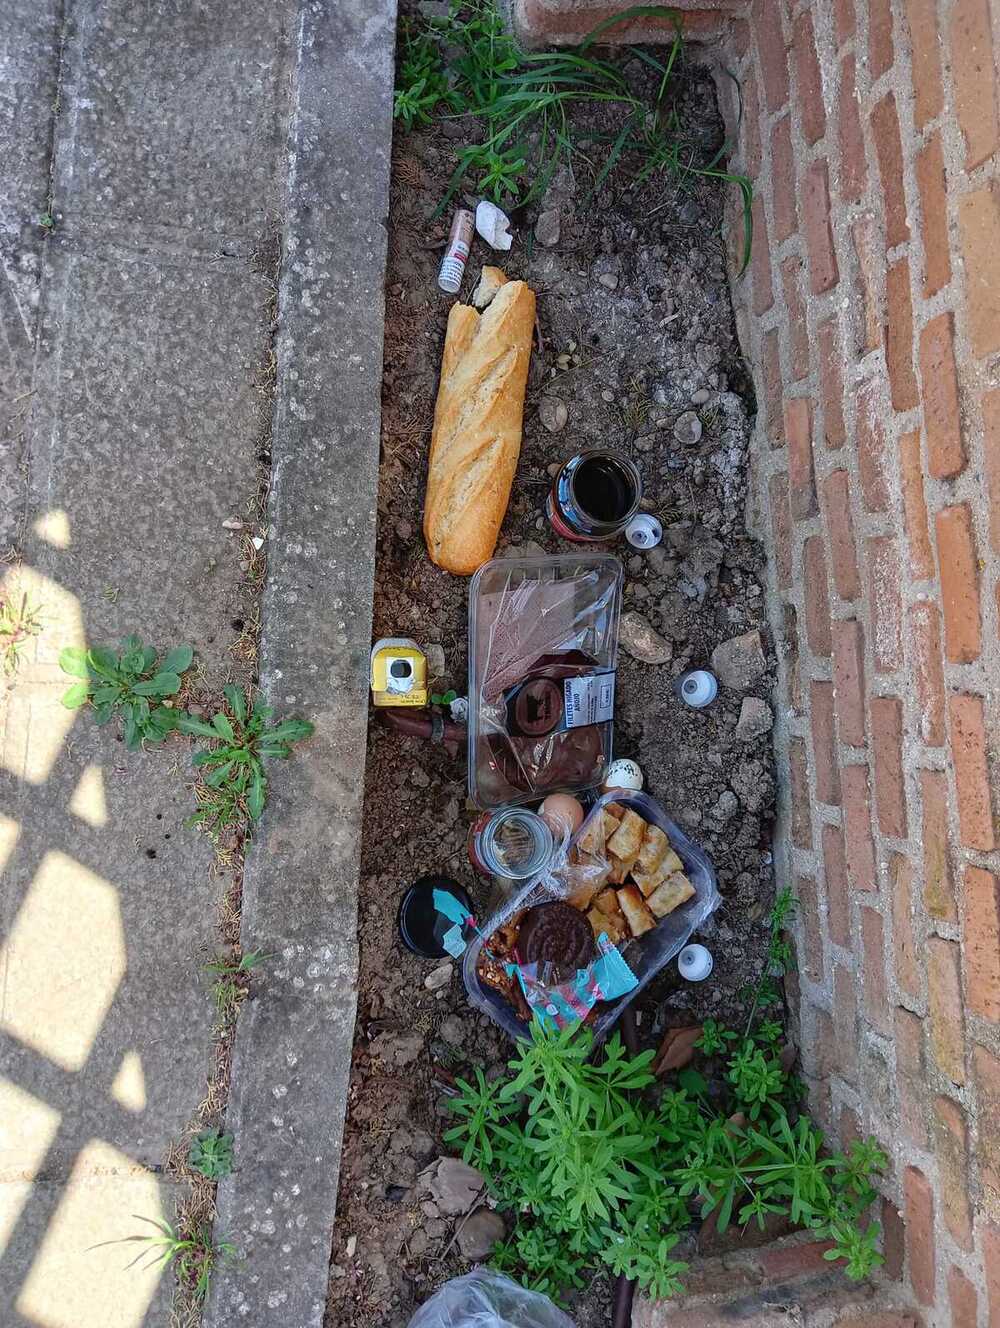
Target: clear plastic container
x,y
543,621
645,955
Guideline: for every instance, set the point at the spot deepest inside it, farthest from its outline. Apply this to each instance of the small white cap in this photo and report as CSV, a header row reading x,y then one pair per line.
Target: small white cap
x,y
643,531
695,963
623,774
698,688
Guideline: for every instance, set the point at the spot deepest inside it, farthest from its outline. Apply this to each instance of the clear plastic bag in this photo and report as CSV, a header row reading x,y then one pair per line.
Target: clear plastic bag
x,y
645,955
543,641
484,1299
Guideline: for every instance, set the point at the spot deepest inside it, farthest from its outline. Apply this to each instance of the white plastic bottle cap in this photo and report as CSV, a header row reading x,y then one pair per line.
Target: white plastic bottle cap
x,y
698,688
695,963
643,531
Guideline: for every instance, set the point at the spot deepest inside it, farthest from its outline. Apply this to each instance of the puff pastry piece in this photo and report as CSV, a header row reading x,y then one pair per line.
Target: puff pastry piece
x,y
607,901
627,839
637,915
612,924
647,881
654,848
670,895
620,868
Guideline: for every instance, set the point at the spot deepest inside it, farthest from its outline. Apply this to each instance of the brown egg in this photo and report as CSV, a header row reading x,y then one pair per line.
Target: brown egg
x,y
560,811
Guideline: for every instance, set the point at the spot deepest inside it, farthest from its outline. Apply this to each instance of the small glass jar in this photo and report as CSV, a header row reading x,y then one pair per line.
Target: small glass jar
x,y
513,843
594,496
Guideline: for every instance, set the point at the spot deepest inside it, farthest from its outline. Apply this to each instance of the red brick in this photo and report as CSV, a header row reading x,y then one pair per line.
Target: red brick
x,y
986,1075
835,873
801,799
870,433
939,388
911,1076
873,970
850,1128
918,538
760,261
765,17
974,75
919,1206
817,600
790,655
824,740
823,272
805,892
982,943
830,360
944,1004
939,887
886,603
878,1319
849,680
951,1144
903,942
739,37
844,20
853,164
887,747
783,181
979,227
772,388
991,1265
962,1300
928,671
889,150
880,51
869,251
893,1237
845,1022
751,122
801,478
968,749
899,337
780,1262
932,184
781,528
843,556
991,463
959,583
928,97
798,329
809,87
860,850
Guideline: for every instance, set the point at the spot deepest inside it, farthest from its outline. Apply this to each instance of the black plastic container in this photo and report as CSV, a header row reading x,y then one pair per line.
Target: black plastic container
x,y
421,927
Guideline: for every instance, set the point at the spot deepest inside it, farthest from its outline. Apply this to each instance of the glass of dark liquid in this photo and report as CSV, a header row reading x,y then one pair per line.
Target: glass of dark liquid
x,y
594,496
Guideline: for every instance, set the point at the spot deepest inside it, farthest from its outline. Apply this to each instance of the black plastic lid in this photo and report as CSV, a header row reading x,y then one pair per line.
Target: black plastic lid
x,y
421,927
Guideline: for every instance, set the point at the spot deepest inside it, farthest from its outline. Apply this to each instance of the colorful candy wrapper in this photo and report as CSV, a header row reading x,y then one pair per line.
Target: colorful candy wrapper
x,y
565,1003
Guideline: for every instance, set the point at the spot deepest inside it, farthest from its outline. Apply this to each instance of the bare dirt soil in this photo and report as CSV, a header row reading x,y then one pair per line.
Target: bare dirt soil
x,y
638,343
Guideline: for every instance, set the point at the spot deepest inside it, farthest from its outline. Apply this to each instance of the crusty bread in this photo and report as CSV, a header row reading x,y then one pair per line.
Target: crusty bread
x,y
490,281
477,427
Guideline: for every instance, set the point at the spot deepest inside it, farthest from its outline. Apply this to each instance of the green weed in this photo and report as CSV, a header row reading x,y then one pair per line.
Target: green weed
x,y
234,768
232,982
20,620
128,682
524,99
193,1253
211,1153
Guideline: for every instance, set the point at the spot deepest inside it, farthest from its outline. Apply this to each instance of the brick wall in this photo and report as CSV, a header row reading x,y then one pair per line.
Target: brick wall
x,y
870,315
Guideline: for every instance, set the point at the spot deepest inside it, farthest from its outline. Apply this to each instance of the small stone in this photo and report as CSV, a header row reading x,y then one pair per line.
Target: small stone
x,y
435,1228
553,414
547,227
232,523
454,1185
687,429
755,719
452,1032
563,361
398,1049
257,542
609,280
480,1233
419,778
726,807
642,642
553,468
438,10
440,977
351,1246
700,397
404,530
434,654
740,661
430,1209
418,1242
607,395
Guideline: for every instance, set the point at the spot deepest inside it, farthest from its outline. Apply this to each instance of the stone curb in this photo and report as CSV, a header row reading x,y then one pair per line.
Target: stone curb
x,y
293,1048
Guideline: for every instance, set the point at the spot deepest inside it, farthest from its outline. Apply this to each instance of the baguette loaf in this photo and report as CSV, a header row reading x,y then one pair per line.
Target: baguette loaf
x,y
477,427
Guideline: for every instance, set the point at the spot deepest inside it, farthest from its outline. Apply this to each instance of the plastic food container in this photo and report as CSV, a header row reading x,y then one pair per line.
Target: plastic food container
x,y
645,955
543,643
